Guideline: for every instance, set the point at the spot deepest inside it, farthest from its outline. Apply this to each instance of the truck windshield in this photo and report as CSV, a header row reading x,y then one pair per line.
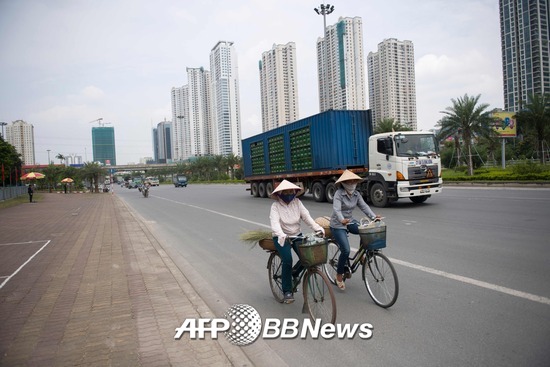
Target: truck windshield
x,y
416,145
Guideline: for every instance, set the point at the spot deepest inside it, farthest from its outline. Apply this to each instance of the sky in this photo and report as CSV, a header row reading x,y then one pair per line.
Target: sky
x,y
66,63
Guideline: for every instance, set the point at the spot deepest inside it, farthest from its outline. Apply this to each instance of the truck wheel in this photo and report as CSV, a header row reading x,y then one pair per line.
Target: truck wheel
x,y
330,189
254,189
318,191
419,199
378,195
269,188
261,190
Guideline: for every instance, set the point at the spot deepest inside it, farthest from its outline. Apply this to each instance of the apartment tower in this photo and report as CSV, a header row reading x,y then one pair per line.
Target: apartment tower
x,y
226,114
340,65
20,134
103,145
524,32
279,86
392,86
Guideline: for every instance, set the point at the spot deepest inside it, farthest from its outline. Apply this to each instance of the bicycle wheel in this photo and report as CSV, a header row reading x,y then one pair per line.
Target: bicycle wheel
x,y
333,253
380,279
274,270
319,296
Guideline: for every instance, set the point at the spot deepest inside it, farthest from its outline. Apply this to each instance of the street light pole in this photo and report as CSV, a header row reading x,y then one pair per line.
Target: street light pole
x,y
49,156
324,10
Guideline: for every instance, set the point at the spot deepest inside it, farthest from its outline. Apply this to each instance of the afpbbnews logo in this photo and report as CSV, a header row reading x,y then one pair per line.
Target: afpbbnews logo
x,y
242,325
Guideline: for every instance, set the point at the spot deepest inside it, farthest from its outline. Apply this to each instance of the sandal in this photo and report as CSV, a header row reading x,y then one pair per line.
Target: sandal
x,y
341,284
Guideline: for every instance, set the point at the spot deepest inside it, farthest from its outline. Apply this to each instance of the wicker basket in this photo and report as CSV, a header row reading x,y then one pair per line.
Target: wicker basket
x,y
267,244
325,223
374,237
313,253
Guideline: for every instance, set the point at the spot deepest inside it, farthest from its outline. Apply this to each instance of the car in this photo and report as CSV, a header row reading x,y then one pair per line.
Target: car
x,y
153,180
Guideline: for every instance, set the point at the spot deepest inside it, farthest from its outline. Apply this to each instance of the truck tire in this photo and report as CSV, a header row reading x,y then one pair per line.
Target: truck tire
x,y
254,189
262,192
269,188
419,199
318,191
330,189
378,195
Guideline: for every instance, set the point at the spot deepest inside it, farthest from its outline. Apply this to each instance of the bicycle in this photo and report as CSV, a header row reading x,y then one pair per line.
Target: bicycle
x,y
378,272
319,299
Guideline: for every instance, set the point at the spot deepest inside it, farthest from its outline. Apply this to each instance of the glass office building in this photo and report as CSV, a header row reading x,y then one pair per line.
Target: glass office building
x,y
103,145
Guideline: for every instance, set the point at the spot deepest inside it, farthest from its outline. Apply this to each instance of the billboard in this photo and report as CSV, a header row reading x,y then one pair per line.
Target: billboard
x,y
505,124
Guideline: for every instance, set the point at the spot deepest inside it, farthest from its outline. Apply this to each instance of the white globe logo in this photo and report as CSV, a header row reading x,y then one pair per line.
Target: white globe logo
x,y
246,324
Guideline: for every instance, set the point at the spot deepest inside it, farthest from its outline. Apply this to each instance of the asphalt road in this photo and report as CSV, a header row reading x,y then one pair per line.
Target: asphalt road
x,y
473,266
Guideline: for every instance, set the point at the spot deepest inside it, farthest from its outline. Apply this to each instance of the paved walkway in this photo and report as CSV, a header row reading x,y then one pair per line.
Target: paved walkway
x,y
83,283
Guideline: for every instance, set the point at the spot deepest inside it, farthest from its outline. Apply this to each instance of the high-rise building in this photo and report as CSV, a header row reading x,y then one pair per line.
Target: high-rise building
x,y
392,86
524,29
226,113
103,145
162,142
180,125
340,65
20,134
279,86
203,137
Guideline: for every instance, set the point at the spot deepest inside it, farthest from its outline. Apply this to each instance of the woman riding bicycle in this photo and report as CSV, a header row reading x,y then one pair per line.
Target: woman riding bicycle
x,y
285,215
346,198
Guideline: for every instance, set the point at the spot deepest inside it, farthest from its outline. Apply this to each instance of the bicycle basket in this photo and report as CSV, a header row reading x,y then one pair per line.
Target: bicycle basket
x,y
267,244
325,223
313,252
373,236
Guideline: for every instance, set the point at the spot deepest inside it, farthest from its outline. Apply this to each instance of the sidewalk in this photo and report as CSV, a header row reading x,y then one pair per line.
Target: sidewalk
x,y
99,291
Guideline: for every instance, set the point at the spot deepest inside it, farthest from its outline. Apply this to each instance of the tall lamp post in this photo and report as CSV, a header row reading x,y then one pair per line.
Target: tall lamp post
x,y
324,10
48,156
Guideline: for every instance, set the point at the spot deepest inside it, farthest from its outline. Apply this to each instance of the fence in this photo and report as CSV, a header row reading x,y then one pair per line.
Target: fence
x,y
511,162
11,192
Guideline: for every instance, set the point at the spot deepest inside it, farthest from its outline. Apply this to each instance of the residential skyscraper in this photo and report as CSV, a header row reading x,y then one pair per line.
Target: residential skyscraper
x,y
340,65
203,137
524,30
392,86
279,86
20,134
162,142
181,132
226,113
103,145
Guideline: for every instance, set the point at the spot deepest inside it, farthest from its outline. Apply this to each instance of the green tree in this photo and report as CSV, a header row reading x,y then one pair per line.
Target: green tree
x,y
61,157
388,124
92,171
466,119
535,120
10,160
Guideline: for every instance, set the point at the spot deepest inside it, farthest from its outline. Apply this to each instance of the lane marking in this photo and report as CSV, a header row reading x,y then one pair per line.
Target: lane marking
x,y
25,263
479,283
460,278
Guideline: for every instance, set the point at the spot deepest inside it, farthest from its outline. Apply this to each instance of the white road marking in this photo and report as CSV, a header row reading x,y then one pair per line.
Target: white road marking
x,y
460,278
25,263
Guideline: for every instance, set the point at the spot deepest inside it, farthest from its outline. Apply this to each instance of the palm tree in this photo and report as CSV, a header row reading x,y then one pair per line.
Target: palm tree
x,y
93,171
467,120
535,118
61,157
388,124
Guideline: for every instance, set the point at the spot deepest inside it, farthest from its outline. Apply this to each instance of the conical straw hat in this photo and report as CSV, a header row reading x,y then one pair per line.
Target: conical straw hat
x,y
348,176
285,185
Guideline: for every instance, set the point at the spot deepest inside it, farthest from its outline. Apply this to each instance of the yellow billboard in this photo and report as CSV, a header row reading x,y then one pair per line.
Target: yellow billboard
x,y
505,124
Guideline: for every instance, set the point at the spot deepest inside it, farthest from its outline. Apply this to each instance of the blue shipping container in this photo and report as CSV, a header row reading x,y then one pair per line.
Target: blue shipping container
x,y
337,140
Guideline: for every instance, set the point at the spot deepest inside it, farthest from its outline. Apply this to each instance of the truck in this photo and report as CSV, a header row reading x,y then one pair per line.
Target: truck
x,y
179,181
313,152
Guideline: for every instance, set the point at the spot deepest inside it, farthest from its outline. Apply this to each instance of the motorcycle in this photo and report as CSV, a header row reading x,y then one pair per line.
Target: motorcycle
x,y
145,191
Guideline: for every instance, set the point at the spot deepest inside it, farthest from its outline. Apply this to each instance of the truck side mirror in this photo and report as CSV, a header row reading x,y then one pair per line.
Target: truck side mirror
x,y
388,144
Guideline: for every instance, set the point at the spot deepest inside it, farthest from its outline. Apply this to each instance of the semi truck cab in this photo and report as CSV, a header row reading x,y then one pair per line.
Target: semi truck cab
x,y
403,165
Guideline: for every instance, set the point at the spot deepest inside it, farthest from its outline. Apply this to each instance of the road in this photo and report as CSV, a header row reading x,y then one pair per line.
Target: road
x,y
473,266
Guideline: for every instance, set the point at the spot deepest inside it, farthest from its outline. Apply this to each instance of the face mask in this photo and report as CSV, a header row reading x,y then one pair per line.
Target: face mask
x,y
349,187
287,198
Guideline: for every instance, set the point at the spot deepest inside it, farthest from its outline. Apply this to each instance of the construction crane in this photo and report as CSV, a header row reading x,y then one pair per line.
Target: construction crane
x,y
99,122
